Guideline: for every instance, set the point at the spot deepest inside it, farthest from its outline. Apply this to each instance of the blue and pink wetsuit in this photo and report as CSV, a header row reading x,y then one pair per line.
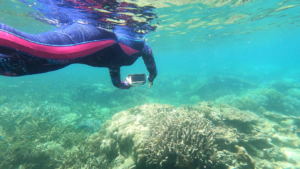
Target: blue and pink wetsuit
x,y
24,54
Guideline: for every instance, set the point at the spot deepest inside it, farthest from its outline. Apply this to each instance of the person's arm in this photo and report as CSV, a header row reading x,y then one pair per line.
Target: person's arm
x,y
150,64
116,79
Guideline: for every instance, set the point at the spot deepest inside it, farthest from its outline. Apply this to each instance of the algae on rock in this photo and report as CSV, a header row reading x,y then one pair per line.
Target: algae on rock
x,y
155,136
192,137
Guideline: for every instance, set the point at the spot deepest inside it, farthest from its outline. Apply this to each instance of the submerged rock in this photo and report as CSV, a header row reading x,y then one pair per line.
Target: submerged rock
x,y
157,136
160,136
191,137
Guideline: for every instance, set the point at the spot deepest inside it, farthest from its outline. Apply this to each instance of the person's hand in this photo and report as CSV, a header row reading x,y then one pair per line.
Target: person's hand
x,y
128,80
150,84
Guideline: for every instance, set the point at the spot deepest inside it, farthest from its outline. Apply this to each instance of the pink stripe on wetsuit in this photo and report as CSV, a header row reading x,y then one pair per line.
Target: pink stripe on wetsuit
x,y
52,52
22,53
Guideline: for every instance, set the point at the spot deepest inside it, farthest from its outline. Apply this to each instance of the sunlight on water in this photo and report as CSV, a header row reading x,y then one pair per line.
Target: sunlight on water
x,y
205,22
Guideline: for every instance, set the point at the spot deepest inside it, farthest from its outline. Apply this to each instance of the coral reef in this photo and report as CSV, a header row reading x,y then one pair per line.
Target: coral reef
x,y
267,99
194,99
294,92
252,102
162,136
31,135
91,125
180,141
214,87
285,84
149,136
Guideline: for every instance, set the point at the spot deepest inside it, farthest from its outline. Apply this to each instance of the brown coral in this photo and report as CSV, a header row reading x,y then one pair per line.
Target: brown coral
x,y
178,144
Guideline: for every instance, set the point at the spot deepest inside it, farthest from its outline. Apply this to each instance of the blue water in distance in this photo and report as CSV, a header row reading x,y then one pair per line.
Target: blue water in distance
x,y
260,46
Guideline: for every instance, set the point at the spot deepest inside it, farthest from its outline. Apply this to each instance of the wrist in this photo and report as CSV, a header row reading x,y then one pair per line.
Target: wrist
x,y
150,78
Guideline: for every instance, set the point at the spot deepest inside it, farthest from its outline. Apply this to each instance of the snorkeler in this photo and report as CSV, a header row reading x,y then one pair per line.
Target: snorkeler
x,y
25,54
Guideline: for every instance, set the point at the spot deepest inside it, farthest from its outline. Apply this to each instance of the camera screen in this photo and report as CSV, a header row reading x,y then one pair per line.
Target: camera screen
x,y
138,78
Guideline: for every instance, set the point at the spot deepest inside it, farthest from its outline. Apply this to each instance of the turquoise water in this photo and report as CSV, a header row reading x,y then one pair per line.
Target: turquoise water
x,y
245,56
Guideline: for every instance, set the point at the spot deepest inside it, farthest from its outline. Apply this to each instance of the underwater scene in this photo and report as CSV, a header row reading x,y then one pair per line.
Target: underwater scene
x,y
226,94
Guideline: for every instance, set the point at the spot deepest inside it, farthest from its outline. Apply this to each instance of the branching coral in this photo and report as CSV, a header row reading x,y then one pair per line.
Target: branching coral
x,y
178,144
152,136
30,136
